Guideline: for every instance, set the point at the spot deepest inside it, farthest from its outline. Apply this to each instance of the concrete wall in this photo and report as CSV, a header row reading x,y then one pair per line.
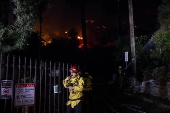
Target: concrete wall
x,y
156,89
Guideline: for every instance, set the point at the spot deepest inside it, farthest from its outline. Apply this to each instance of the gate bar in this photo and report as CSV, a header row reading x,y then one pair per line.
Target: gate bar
x,y
54,84
13,75
0,67
35,80
25,70
30,77
7,64
40,86
50,90
24,109
63,90
19,74
67,75
59,87
45,85
6,79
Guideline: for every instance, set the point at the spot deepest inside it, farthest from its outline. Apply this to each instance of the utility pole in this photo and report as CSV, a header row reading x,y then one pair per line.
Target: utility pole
x,y
132,40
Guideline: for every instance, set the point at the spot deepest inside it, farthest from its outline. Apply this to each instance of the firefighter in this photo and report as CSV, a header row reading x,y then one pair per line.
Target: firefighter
x,y
121,78
87,90
88,82
120,70
75,84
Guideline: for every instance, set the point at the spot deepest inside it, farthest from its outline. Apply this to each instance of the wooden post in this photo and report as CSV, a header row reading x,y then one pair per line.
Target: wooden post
x,y
132,39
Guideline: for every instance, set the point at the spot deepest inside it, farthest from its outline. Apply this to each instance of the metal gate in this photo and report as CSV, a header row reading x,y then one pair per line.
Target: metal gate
x,y
46,75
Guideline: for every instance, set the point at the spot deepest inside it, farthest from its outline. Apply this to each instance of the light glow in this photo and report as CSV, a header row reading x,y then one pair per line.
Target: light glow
x,y
78,37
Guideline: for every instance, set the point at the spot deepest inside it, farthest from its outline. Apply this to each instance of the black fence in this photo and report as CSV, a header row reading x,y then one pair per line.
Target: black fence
x,y
27,72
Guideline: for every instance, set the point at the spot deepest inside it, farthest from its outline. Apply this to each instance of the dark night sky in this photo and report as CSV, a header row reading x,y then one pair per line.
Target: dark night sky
x,y
62,17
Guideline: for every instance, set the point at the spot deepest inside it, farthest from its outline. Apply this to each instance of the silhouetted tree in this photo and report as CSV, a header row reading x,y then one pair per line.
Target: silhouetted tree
x,y
161,37
81,5
26,12
4,9
73,41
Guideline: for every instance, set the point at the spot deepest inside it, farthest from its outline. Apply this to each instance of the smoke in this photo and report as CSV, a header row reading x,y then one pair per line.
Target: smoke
x,y
58,19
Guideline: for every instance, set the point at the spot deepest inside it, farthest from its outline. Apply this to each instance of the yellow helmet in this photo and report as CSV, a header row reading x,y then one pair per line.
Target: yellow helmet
x,y
86,73
120,66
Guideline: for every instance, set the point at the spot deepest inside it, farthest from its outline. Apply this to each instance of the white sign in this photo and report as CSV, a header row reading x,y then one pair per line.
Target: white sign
x,y
126,56
6,89
24,95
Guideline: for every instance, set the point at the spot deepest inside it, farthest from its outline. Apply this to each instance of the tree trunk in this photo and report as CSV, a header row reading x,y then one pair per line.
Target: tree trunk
x,y
83,23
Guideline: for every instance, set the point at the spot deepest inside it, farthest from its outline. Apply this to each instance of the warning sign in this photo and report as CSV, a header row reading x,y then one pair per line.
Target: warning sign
x,y
6,89
24,94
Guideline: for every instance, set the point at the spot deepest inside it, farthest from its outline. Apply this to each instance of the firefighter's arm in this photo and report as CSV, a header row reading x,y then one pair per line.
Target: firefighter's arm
x,y
90,77
65,82
80,86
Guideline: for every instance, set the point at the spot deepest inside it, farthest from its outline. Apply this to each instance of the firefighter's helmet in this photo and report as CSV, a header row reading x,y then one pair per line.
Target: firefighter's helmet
x,y
74,69
120,66
86,73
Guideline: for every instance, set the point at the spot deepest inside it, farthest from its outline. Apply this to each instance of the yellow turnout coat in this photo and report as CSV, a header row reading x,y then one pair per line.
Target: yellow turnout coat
x,y
88,83
77,95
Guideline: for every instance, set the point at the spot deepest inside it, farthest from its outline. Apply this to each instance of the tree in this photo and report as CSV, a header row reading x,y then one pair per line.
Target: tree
x,y
73,41
161,38
144,62
164,13
4,11
13,37
81,5
122,46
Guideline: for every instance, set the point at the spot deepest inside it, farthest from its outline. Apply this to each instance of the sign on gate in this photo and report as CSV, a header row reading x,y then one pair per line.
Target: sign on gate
x,y
6,89
57,89
24,94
